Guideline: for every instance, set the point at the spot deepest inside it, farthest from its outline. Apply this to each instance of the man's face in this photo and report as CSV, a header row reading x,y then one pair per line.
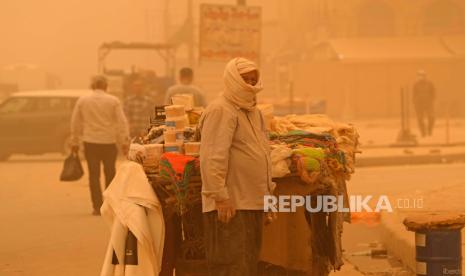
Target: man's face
x,y
251,78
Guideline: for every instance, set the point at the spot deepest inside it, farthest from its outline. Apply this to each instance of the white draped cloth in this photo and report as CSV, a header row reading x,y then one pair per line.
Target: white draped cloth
x,y
130,204
236,89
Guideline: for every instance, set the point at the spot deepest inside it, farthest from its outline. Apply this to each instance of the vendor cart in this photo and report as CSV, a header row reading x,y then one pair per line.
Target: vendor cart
x,y
287,242
296,243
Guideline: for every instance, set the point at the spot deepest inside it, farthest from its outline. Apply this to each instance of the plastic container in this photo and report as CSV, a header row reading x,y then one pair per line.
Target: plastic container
x,y
173,147
186,100
170,135
179,123
174,111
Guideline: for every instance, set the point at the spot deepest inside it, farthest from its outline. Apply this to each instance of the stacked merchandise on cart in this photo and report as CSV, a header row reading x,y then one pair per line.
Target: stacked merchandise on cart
x,y
316,130
322,153
314,147
175,152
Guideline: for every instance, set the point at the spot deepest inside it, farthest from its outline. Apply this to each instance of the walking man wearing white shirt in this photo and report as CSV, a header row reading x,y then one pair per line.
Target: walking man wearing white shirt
x,y
98,121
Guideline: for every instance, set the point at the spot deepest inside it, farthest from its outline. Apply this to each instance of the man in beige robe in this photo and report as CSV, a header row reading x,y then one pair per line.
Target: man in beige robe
x,y
236,173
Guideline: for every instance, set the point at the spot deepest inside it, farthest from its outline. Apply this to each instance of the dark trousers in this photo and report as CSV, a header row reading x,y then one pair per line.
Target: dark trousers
x,y
233,249
96,154
172,245
425,112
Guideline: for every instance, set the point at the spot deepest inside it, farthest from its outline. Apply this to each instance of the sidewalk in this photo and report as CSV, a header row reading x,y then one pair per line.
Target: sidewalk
x,y
399,241
392,156
378,138
384,132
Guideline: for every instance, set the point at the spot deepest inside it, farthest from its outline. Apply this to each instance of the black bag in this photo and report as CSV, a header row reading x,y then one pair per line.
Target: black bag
x,y
72,168
130,257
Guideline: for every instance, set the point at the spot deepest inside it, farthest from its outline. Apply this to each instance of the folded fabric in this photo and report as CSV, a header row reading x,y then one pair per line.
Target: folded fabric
x,y
311,164
315,153
311,158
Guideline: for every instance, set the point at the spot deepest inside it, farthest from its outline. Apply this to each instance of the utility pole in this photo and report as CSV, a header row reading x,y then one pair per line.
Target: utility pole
x,y
166,20
190,26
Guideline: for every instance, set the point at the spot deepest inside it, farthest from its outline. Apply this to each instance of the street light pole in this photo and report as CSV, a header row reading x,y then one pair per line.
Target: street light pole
x,y
190,22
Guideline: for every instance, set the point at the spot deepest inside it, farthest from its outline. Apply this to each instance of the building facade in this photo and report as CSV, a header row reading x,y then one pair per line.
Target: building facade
x,y
358,54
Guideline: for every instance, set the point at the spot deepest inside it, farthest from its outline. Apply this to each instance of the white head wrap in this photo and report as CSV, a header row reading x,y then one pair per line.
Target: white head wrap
x,y
137,153
236,89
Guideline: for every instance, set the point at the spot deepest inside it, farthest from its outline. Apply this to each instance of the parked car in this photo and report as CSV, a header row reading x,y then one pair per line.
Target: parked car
x,y
37,122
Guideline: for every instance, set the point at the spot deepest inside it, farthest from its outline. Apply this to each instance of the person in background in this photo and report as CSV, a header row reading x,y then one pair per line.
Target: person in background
x,y
138,108
423,101
186,77
235,166
98,121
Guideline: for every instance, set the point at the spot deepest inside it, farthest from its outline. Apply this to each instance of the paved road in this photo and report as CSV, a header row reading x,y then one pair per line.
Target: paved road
x,y
46,226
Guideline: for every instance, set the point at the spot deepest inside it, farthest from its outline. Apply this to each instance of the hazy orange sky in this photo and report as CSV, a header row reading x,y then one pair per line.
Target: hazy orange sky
x,y
62,36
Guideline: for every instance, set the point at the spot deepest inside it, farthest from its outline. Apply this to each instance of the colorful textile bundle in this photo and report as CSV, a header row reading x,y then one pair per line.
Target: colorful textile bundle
x,y
310,149
343,145
323,156
305,138
311,158
178,169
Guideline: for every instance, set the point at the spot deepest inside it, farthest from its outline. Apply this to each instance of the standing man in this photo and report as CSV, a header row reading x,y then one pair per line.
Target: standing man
x,y
423,100
138,107
98,120
236,173
186,77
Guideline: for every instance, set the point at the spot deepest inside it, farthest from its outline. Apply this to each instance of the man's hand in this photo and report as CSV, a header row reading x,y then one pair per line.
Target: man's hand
x,y
226,210
125,149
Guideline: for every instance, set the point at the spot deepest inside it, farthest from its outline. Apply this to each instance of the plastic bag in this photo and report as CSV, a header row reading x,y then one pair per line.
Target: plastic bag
x,y
72,168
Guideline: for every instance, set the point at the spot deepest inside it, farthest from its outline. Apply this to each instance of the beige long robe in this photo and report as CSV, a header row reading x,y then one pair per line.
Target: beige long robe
x,y
235,158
